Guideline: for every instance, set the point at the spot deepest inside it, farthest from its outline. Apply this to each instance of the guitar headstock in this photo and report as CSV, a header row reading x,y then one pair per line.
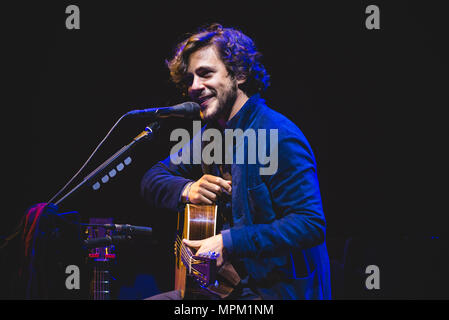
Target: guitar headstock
x,y
102,253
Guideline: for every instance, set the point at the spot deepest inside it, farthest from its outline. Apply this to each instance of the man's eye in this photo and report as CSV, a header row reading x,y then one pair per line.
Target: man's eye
x,y
205,74
187,80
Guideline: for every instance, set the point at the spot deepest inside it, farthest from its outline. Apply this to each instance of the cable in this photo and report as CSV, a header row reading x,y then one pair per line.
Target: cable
x,y
87,161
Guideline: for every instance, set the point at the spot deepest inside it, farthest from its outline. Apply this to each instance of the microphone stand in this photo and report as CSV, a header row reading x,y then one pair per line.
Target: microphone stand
x,y
146,134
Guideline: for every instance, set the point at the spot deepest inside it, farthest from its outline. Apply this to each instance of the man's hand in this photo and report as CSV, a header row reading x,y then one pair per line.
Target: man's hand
x,y
206,190
212,244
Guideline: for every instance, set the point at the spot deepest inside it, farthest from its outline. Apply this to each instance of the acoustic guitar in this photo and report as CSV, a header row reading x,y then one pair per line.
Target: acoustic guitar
x,y
199,273
101,258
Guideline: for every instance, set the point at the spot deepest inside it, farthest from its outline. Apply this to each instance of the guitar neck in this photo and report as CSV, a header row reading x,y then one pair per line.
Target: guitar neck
x,y
101,288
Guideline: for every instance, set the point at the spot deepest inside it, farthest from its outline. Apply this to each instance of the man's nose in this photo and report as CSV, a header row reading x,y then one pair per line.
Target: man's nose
x,y
197,85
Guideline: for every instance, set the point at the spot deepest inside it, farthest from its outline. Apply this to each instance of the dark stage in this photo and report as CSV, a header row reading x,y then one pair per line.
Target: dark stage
x,y
372,103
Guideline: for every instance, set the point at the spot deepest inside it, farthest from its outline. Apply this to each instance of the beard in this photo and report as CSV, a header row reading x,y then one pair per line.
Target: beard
x,y
224,101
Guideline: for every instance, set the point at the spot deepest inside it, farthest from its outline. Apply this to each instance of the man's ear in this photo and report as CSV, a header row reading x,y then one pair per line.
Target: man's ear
x,y
241,79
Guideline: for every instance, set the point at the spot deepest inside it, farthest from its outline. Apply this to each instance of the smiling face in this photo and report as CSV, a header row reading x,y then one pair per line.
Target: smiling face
x,y
212,87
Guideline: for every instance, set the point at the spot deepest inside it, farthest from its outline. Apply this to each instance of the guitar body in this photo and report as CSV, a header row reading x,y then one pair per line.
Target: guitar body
x,y
200,274
197,222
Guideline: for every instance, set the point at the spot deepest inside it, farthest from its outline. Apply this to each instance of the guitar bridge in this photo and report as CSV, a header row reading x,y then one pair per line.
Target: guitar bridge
x,y
203,269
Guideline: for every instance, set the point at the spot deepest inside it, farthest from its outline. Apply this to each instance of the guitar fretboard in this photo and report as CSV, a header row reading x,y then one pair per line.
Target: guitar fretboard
x,y
101,284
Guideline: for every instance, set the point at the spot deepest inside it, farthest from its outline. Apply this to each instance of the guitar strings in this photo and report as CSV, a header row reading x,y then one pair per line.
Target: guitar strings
x,y
183,251
189,258
186,259
183,248
186,254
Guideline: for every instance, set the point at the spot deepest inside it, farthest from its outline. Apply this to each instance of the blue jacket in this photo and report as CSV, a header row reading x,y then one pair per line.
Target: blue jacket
x,y
278,231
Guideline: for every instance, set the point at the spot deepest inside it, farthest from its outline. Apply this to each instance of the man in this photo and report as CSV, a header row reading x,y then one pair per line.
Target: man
x,y
273,231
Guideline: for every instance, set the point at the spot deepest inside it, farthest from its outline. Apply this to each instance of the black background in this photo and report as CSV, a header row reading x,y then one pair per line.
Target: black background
x,y
372,103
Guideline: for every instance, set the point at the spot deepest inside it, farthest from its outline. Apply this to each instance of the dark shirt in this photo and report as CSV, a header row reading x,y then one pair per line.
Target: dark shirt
x,y
278,225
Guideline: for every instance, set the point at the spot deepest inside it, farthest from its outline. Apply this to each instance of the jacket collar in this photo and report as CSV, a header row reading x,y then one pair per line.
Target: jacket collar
x,y
246,113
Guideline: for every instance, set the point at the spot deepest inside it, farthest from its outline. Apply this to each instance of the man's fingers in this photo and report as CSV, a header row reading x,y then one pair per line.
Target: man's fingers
x,y
211,187
206,200
200,199
196,244
212,246
192,243
225,184
206,190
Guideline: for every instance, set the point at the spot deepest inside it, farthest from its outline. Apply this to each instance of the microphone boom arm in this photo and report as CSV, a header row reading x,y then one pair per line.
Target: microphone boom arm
x,y
146,134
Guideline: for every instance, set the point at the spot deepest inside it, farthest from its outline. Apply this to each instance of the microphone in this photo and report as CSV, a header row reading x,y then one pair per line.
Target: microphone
x,y
105,241
189,110
129,229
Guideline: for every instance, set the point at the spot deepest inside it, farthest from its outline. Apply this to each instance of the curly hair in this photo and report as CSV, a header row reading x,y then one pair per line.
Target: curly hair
x,y
237,51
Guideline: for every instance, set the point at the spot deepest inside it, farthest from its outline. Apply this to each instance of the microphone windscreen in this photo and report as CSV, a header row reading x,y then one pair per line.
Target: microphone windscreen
x,y
189,109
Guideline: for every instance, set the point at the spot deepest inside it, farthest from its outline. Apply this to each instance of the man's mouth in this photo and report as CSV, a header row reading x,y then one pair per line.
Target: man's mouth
x,y
203,101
